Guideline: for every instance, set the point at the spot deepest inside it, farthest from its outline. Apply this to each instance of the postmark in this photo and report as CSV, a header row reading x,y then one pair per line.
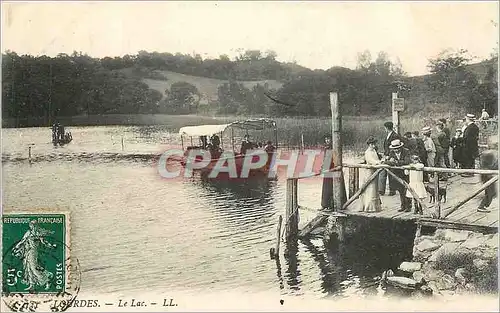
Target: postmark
x,y
38,273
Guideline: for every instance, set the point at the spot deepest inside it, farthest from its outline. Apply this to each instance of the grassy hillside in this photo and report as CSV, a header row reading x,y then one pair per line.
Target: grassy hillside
x,y
207,86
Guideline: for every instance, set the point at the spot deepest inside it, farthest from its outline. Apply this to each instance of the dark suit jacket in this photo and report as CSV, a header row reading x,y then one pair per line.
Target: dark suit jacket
x,y
387,142
422,153
404,159
471,137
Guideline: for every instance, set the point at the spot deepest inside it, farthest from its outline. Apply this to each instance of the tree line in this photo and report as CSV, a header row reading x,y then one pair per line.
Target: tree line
x,y
68,85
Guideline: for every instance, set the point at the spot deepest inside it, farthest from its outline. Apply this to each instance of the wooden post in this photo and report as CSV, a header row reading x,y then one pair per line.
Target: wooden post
x,y
436,194
356,179
292,209
122,144
232,138
302,142
339,193
395,114
29,154
352,181
278,237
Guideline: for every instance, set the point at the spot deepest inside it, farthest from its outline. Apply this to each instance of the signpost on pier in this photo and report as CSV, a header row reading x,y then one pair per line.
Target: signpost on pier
x,y
398,105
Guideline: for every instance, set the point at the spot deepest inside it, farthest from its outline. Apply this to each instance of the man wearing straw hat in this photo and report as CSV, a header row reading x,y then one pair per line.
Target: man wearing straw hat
x,y
391,135
399,156
471,138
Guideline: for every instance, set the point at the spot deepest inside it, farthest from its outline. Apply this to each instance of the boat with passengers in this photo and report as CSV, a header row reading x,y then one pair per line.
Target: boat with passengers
x,y
210,139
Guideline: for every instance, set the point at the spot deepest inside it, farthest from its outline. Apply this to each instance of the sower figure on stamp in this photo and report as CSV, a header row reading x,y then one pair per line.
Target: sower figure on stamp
x,y
27,250
400,156
391,135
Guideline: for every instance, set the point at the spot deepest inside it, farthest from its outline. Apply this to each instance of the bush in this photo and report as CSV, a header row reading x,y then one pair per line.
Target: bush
x,y
485,280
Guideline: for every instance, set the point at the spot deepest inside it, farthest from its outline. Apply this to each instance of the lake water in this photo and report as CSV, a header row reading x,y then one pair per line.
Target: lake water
x,y
132,230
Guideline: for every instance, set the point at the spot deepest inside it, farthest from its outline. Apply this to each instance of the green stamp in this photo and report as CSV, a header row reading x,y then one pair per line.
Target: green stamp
x,y
35,249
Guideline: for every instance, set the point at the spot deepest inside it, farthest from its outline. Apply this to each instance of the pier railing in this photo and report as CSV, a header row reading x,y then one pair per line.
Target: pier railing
x,y
355,190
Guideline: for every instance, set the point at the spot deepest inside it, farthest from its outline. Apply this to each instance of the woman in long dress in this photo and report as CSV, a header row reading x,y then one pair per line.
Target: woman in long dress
x,y
370,199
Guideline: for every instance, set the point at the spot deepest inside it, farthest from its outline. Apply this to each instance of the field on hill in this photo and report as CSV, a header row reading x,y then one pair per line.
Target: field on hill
x,y
206,86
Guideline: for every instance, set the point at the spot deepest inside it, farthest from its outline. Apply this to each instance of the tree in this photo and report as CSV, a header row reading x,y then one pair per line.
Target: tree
x,y
451,79
183,98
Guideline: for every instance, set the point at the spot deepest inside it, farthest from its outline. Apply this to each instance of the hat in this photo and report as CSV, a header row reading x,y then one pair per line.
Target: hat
x,y
458,130
396,144
426,130
442,120
389,125
370,140
470,115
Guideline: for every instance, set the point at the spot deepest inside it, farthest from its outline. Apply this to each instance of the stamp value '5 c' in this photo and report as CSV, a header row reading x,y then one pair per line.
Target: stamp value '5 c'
x,y
35,249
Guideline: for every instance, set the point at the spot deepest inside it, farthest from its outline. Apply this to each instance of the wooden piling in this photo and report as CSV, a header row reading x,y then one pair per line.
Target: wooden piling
x,y
437,201
278,238
302,142
339,192
352,181
122,144
292,209
29,154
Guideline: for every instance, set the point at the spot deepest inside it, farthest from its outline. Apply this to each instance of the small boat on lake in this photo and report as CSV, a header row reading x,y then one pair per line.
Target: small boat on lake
x,y
212,145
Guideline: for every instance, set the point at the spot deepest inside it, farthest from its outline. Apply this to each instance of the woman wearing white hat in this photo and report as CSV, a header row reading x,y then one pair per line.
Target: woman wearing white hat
x,y
370,200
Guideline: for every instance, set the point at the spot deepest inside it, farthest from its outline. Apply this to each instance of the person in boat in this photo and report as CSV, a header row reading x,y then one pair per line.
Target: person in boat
x,y
204,142
68,137
60,132
54,133
269,148
246,144
215,141
214,147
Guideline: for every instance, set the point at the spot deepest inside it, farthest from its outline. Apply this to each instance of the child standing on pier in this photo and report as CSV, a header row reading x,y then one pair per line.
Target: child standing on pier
x,y
416,183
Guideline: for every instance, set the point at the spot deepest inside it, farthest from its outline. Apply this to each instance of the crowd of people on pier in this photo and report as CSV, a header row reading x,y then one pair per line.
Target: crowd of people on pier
x,y
429,147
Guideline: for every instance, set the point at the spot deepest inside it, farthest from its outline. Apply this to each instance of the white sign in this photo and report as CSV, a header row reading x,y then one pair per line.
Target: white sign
x,y
398,104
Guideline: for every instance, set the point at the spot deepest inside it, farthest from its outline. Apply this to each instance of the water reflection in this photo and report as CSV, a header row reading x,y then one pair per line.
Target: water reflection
x,y
292,261
330,264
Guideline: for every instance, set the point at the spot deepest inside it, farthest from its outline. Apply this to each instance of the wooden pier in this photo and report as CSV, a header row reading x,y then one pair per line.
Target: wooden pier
x,y
464,191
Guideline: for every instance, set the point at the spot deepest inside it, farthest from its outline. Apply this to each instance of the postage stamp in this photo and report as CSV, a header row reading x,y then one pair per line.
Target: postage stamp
x,y
36,263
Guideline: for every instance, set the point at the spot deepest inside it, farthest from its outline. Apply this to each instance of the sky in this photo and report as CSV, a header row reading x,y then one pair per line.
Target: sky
x,y
313,34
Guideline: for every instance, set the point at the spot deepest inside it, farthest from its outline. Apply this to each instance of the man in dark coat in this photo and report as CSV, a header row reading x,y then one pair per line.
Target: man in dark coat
x,y
447,131
489,161
391,135
327,188
471,137
411,143
457,143
421,152
399,156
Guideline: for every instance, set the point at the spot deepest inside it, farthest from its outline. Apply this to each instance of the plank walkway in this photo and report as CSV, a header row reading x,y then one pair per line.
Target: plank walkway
x,y
458,189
